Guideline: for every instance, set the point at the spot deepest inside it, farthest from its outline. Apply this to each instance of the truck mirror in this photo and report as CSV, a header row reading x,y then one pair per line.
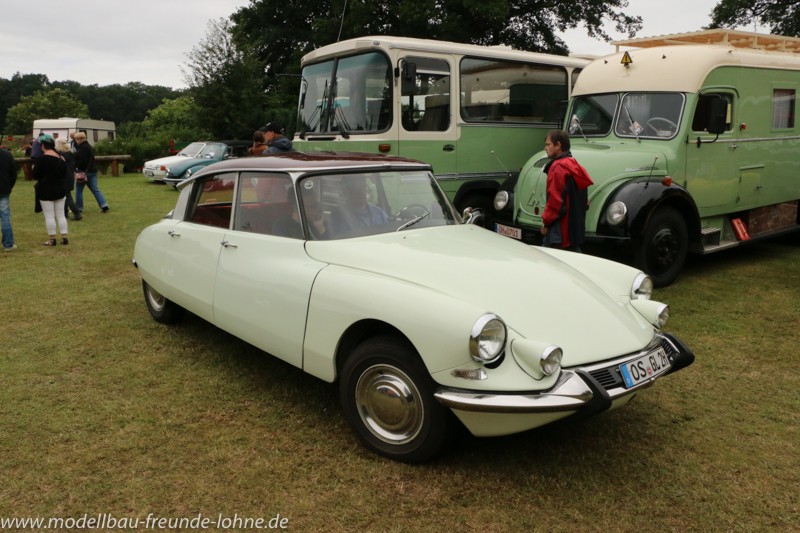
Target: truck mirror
x,y
717,115
408,79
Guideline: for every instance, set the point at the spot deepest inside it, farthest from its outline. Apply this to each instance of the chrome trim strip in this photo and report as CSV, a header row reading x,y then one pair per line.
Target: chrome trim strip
x,y
710,140
500,174
569,394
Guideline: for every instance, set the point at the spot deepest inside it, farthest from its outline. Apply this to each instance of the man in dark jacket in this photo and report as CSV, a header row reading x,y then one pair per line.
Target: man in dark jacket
x,y
8,177
276,141
564,216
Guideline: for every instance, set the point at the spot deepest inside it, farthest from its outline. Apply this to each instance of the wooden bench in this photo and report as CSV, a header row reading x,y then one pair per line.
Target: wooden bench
x,y
102,161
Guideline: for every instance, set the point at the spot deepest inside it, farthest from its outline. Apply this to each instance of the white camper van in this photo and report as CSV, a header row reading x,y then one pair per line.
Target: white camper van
x,y
95,130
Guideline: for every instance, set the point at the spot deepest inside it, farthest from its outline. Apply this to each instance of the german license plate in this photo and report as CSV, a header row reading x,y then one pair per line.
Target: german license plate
x,y
644,368
508,231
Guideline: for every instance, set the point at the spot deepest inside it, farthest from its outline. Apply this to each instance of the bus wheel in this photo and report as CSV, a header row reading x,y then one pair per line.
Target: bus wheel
x,y
663,248
482,202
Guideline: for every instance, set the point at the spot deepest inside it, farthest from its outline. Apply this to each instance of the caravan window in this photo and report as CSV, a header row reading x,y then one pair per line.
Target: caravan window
x,y
783,108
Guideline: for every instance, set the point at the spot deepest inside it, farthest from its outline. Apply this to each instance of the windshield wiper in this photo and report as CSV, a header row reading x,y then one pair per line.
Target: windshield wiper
x,y
575,124
412,221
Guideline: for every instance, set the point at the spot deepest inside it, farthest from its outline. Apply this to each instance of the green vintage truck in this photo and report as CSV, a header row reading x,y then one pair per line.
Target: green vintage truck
x,y
692,148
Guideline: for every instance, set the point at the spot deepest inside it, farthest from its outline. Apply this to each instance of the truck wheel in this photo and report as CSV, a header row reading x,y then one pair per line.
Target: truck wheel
x,y
482,202
387,398
665,242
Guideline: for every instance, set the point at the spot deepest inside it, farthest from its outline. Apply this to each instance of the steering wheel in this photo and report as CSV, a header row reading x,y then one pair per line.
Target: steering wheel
x,y
411,211
672,126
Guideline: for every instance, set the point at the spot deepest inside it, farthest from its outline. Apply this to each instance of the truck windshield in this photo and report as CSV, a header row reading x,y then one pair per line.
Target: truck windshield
x,y
648,115
652,115
348,95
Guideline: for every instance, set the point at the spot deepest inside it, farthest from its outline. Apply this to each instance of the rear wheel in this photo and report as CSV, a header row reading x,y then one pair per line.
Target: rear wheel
x,y
387,398
665,243
161,309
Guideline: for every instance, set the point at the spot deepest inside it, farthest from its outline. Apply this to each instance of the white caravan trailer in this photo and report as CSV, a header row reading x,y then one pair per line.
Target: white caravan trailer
x,y
95,130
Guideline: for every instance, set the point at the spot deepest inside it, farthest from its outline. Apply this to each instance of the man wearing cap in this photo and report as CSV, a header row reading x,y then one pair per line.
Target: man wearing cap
x,y
276,142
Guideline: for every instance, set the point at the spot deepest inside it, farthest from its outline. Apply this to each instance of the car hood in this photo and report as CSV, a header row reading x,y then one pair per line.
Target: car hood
x,y
539,296
166,161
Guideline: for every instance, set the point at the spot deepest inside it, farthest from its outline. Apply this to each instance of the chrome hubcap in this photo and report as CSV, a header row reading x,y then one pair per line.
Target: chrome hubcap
x,y
389,404
156,300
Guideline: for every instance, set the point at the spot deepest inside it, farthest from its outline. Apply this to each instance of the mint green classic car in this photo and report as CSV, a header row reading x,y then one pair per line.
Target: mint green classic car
x,y
356,269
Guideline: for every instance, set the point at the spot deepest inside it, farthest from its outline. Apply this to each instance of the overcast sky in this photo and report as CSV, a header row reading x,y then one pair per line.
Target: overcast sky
x,y
107,41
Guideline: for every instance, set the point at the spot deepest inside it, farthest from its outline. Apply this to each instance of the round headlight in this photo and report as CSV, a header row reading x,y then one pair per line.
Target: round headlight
x,y
642,288
551,360
663,316
615,215
487,339
501,200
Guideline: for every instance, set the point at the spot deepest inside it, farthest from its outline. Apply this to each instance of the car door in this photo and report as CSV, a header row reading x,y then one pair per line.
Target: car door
x,y
192,247
264,281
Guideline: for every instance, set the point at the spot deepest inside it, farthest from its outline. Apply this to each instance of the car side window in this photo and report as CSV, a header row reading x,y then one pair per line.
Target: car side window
x,y
264,205
213,198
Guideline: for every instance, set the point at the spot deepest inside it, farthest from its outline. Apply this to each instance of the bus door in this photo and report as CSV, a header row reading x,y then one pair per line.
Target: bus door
x,y
427,124
712,168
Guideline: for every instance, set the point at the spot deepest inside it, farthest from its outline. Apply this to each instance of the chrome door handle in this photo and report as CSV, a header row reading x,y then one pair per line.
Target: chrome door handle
x,y
173,233
228,244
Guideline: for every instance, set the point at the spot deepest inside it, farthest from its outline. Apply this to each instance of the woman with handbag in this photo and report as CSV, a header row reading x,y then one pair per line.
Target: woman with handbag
x,y
86,173
62,147
51,189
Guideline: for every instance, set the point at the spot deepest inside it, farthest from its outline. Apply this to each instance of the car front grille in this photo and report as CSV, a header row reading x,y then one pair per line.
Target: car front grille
x,y
610,378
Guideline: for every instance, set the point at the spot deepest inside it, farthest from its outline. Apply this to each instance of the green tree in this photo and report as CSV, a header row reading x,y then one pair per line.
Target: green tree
x,y
227,84
177,118
782,17
18,86
54,103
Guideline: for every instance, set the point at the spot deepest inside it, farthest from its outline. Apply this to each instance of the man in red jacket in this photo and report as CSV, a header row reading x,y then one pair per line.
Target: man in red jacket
x,y
564,216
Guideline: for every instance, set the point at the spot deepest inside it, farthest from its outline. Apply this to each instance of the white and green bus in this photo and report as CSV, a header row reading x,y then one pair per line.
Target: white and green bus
x,y
475,113
692,148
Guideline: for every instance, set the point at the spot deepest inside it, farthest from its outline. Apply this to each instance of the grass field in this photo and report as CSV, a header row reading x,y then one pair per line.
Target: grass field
x,y
104,411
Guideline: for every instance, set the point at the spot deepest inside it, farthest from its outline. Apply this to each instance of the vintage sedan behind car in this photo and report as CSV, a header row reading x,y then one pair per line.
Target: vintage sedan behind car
x,y
356,269
212,152
156,169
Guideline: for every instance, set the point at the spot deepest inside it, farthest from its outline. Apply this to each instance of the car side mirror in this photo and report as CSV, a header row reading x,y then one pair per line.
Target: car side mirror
x,y
473,216
717,116
408,78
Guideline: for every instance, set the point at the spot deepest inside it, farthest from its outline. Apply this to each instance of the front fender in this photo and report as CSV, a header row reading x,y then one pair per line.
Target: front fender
x,y
641,197
437,325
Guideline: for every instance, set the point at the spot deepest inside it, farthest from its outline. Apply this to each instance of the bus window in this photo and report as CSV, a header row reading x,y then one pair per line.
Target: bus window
x,y
428,109
505,91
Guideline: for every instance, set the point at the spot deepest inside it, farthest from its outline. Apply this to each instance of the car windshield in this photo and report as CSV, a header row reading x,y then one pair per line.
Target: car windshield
x,y
357,204
192,150
649,115
211,150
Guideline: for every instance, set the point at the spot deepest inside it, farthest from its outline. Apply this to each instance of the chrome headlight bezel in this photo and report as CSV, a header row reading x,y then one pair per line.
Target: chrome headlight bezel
x,y
501,200
642,287
550,361
616,213
487,340
657,313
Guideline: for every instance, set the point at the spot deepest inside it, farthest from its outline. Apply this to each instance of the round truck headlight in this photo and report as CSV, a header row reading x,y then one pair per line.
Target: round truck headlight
x,y
487,339
642,287
551,360
615,215
501,200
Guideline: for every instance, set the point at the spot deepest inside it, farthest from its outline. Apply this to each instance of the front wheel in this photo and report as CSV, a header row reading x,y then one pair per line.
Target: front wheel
x,y
665,243
387,398
161,309
479,202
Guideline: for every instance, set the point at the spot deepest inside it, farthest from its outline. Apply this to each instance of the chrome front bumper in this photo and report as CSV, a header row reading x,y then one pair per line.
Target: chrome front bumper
x,y
580,390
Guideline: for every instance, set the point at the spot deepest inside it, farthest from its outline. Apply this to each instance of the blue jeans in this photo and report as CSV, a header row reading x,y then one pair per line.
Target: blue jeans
x,y
91,182
5,222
